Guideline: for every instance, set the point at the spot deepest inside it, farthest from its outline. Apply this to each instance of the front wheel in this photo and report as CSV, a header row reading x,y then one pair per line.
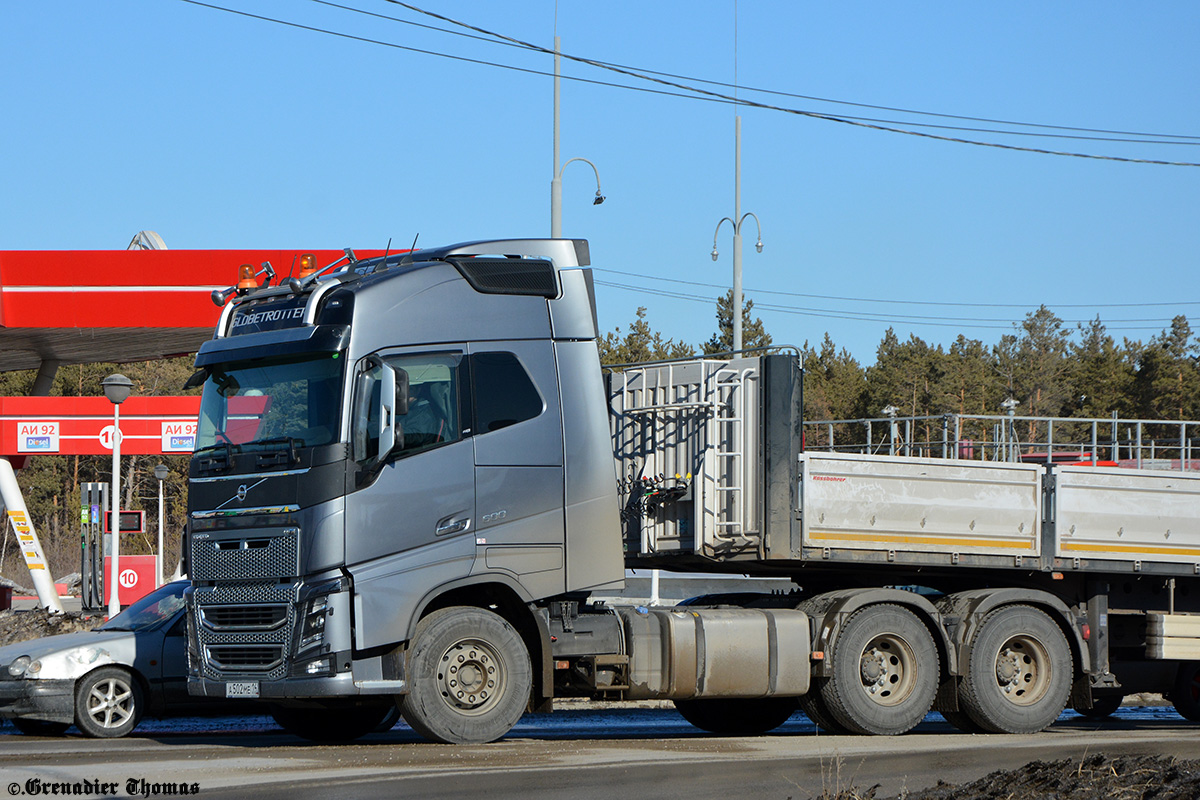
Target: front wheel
x,y
109,703
469,677
1018,672
738,717
884,672
338,724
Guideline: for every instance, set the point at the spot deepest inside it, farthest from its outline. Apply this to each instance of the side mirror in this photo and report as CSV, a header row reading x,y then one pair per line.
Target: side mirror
x,y
387,408
401,393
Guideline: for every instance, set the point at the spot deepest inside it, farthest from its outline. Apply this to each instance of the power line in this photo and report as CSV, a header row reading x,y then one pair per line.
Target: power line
x,y
694,93
968,323
798,112
901,302
490,39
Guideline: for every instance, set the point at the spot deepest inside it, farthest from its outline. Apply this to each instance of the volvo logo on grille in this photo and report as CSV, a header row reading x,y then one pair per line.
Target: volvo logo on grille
x,y
241,493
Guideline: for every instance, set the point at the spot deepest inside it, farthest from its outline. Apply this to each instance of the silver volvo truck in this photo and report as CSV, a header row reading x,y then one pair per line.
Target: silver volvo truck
x,y
412,479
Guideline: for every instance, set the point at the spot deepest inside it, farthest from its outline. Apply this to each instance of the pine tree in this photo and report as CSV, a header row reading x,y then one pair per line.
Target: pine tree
x,y
640,343
754,333
1167,384
834,388
1102,375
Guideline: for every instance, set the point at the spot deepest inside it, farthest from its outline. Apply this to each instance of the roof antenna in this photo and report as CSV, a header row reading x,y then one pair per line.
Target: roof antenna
x,y
408,257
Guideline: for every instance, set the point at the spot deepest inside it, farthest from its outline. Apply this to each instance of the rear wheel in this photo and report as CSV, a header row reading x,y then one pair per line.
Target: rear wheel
x,y
884,672
1186,693
469,677
1018,672
40,727
740,717
962,721
108,703
337,724
814,708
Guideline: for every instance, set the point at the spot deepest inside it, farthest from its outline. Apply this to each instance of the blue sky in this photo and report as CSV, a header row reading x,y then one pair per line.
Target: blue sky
x,y
221,131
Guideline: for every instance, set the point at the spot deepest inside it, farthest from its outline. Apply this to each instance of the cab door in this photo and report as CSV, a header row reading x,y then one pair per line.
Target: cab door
x,y
410,511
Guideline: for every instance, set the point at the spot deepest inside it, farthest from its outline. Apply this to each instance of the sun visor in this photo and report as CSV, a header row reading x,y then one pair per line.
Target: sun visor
x,y
269,344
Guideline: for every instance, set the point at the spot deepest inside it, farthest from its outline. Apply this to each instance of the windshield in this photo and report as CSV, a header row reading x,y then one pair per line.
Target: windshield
x,y
151,611
282,400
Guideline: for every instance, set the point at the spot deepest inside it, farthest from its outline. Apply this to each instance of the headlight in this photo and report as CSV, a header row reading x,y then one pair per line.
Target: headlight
x,y
18,667
313,632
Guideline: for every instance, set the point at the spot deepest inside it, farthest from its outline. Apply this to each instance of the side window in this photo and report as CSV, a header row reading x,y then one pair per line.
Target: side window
x,y
433,416
504,392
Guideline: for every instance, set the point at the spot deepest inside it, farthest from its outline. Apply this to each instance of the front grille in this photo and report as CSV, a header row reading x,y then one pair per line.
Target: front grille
x,y
241,618
244,658
231,644
246,558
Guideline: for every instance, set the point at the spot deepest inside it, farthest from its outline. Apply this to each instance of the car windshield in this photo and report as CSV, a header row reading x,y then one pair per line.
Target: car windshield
x,y
290,401
151,611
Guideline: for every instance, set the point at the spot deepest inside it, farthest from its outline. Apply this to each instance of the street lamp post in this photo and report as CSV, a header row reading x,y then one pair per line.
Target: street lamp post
x,y
737,269
736,220
556,174
116,389
160,472
556,197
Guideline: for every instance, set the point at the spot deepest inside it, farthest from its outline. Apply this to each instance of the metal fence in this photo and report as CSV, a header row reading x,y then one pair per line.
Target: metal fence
x,y
1140,443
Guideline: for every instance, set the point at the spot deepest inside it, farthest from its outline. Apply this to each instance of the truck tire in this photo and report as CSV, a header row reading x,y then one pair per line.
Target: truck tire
x,y
962,721
109,703
1018,673
1185,695
884,672
738,717
1104,705
814,708
336,724
469,677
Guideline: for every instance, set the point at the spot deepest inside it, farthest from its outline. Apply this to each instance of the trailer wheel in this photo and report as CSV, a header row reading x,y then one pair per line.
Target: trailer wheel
x,y
469,677
738,716
814,708
1186,693
1018,672
884,672
336,724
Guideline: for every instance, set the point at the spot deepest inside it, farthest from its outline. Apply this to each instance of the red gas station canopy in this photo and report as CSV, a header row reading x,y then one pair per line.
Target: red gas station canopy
x,y
85,306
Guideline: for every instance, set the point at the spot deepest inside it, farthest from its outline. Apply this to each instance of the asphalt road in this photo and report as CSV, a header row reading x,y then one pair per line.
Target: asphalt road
x,y
583,754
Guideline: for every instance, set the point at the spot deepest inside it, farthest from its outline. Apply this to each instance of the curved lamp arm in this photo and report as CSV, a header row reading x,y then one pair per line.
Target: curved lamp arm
x,y
758,245
718,231
599,197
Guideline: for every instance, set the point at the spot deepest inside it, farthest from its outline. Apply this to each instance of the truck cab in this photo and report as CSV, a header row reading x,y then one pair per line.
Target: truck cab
x,y
384,438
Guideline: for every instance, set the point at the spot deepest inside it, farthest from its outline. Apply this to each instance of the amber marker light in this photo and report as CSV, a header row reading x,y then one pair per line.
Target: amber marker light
x,y
246,280
308,265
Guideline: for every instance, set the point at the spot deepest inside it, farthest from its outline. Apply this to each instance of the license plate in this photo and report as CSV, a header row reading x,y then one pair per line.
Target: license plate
x,y
242,689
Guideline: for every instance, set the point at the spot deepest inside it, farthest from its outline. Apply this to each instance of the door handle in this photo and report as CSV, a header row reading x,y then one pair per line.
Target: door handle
x,y
451,525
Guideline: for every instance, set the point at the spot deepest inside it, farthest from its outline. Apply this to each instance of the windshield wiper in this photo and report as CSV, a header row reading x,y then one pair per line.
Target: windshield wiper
x,y
292,444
